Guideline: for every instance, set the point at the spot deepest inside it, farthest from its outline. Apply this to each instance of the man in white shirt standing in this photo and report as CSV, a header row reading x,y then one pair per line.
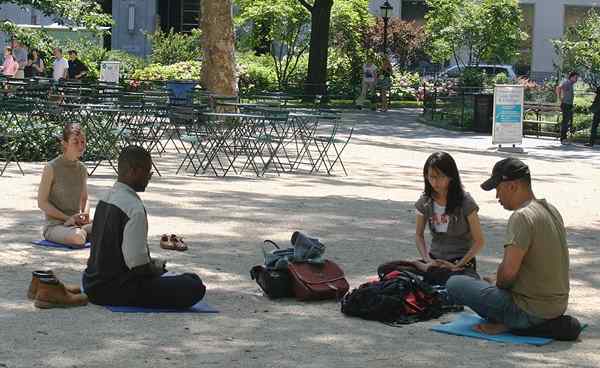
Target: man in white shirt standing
x,y
60,67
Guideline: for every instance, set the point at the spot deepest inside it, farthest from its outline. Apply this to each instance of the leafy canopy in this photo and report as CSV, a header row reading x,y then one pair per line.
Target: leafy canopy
x,y
276,27
580,49
84,13
471,31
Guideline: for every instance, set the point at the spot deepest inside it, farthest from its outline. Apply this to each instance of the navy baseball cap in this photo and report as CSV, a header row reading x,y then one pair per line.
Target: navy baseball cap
x,y
506,170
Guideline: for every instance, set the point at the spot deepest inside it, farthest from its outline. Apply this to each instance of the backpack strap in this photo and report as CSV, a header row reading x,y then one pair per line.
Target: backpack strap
x,y
272,243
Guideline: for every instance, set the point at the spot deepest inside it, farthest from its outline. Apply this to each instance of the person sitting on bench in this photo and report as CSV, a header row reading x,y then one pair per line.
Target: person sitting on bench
x,y
451,214
120,271
531,286
62,193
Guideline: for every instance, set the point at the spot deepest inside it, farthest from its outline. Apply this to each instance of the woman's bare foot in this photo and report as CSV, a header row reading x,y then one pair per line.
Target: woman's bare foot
x,y
490,328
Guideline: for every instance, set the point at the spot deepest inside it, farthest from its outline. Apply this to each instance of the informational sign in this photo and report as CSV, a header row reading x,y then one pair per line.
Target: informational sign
x,y
508,114
110,71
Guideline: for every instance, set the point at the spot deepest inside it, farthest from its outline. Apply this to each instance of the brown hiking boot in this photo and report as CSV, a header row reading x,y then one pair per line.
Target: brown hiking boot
x,y
52,294
47,274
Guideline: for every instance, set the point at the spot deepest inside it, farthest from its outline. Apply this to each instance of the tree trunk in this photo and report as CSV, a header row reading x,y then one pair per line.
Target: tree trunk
x,y
319,47
218,48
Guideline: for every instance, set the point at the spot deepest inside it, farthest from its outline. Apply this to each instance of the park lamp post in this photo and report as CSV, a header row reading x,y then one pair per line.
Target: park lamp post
x,y
386,12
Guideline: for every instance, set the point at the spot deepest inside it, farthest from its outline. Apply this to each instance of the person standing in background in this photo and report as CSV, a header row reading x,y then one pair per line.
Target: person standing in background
x,y
20,55
60,68
77,69
565,94
369,81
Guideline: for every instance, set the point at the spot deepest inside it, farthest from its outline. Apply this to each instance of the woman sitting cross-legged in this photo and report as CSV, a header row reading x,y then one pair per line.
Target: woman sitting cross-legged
x,y
451,215
63,194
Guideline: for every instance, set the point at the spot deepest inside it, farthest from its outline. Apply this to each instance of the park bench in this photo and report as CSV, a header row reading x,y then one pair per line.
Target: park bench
x,y
536,126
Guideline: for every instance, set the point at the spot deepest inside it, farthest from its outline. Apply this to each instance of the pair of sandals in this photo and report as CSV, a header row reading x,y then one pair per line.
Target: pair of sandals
x,y
172,242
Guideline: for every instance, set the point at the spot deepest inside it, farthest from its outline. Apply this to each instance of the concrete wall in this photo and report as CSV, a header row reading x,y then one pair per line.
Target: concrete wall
x,y
145,19
549,24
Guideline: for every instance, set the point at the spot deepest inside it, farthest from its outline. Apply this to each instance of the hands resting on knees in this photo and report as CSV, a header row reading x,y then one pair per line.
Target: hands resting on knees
x,y
440,263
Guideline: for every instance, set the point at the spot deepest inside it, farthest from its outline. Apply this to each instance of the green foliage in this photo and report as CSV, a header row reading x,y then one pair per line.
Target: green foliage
x,y
580,49
83,13
405,85
472,77
256,72
344,72
282,27
32,38
171,47
187,70
488,30
350,24
500,78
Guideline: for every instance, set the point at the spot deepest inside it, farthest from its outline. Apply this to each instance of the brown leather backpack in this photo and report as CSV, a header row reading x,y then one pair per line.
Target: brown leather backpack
x,y
318,282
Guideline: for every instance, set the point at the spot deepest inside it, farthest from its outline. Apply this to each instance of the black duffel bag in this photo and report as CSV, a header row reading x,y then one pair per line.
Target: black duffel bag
x,y
275,282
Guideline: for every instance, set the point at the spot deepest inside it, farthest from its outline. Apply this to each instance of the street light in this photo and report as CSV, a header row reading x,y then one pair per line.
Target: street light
x,y
386,13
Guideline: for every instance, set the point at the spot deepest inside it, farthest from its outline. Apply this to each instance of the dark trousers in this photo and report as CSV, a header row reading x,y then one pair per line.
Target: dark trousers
x,y
594,128
567,119
180,291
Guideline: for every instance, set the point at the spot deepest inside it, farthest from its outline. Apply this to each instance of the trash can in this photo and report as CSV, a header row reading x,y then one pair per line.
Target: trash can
x,y
483,112
180,91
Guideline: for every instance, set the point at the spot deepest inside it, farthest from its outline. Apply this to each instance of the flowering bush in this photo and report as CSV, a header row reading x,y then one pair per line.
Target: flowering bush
x,y
536,92
405,85
186,70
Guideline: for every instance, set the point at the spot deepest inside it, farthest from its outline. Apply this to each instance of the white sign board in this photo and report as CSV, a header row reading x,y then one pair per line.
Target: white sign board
x,y
375,7
508,114
110,71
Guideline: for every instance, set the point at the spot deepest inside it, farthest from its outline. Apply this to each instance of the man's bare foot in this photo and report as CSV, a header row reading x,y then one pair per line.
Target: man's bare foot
x,y
490,328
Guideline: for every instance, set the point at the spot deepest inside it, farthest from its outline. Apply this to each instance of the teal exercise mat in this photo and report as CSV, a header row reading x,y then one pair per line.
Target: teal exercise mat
x,y
463,326
200,307
51,244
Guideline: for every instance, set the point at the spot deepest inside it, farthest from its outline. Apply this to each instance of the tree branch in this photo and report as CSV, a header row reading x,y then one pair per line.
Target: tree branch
x,y
307,5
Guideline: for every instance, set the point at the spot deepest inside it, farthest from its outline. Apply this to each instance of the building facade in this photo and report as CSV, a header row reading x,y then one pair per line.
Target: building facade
x,y
543,21
133,20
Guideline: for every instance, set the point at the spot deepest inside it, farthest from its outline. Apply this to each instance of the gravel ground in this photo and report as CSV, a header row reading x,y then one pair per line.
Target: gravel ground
x,y
365,219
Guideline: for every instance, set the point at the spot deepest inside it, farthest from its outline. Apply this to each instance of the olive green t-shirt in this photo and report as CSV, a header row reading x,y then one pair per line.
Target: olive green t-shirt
x,y
542,284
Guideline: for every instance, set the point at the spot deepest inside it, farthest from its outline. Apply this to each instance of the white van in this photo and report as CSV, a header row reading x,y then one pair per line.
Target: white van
x,y
489,69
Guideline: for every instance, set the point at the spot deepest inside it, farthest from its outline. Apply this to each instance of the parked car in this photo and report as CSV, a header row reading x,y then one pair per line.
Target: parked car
x,y
489,69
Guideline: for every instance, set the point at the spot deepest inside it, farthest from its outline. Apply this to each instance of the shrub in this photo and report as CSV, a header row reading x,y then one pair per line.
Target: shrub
x,y
472,77
171,47
405,85
189,70
500,78
256,72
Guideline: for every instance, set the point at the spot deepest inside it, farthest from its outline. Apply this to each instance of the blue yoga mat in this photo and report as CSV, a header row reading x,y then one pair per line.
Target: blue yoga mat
x,y
463,326
50,244
200,307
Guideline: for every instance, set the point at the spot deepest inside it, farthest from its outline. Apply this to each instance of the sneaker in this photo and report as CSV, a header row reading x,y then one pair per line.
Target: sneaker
x,y
565,142
589,145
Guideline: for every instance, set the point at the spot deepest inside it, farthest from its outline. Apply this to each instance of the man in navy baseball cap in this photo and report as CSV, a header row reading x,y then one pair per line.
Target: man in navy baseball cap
x,y
530,290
